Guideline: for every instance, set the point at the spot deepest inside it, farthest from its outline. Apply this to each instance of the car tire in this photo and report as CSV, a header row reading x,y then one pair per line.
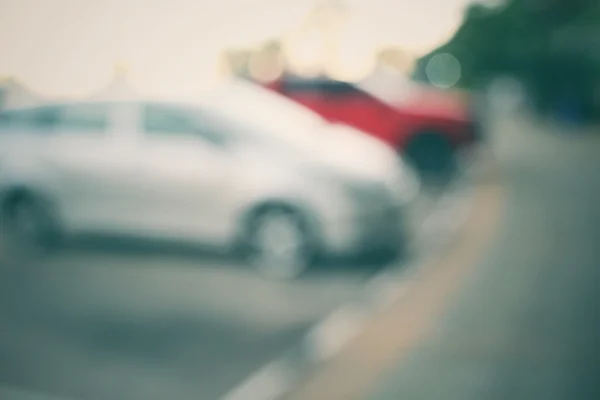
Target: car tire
x,y
433,157
278,244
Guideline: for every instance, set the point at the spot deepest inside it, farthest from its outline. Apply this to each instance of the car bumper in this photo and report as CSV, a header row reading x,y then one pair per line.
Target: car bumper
x,y
375,232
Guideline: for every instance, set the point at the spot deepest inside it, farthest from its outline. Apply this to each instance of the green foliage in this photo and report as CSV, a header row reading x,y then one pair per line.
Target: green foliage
x,y
552,46
491,42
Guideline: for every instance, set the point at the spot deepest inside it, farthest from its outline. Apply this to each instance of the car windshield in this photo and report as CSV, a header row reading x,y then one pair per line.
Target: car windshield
x,y
266,114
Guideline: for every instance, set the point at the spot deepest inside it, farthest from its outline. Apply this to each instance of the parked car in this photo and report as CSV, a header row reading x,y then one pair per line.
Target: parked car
x,y
425,124
242,169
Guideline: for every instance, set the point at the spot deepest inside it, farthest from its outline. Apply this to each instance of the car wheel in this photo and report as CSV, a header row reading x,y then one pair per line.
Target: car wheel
x,y
433,157
279,245
31,228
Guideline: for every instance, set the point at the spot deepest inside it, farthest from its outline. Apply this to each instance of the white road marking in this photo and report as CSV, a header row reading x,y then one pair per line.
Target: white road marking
x,y
331,335
269,383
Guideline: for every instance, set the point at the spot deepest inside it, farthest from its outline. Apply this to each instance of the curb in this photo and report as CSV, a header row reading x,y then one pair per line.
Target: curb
x,y
328,337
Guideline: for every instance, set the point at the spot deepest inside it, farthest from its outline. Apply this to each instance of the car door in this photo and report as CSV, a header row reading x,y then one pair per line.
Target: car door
x,y
90,160
184,174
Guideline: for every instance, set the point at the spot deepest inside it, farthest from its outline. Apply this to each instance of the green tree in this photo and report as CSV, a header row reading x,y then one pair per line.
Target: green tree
x,y
550,45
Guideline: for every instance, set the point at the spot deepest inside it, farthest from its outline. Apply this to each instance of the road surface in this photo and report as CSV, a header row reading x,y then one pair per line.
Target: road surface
x,y
519,320
111,321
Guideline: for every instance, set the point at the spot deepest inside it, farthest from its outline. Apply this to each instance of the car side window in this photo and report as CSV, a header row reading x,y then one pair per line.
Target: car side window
x,y
38,118
84,117
301,86
168,120
338,88
323,87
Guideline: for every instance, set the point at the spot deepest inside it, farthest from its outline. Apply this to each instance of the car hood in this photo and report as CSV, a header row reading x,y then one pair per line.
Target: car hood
x,y
329,149
354,156
341,153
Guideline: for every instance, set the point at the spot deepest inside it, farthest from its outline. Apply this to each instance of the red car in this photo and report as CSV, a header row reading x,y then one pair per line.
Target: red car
x,y
425,124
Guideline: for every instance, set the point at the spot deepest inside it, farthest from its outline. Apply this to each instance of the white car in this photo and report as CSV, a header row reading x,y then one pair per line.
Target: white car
x,y
243,168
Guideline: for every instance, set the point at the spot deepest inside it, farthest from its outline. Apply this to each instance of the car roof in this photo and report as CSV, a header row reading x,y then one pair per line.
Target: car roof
x,y
198,100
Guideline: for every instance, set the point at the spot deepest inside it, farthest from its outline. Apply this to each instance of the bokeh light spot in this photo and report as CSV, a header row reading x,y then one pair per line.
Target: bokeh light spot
x,y
443,70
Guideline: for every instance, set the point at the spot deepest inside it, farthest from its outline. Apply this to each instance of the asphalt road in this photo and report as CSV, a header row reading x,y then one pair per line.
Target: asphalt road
x,y
526,324
129,325
133,321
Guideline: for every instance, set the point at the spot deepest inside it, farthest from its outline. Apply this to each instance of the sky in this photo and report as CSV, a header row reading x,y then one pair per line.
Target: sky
x,y
71,47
